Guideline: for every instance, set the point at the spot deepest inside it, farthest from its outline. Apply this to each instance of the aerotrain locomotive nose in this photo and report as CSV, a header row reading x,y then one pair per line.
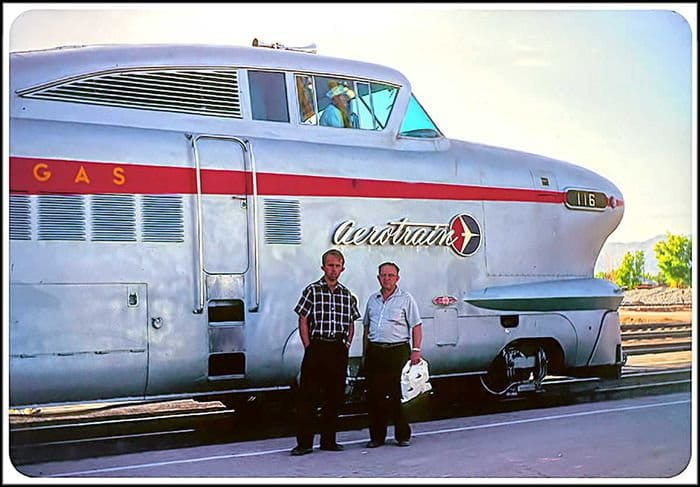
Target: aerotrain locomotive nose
x,y
615,204
586,192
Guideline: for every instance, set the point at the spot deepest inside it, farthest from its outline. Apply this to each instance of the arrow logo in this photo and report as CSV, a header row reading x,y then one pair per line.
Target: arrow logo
x,y
466,235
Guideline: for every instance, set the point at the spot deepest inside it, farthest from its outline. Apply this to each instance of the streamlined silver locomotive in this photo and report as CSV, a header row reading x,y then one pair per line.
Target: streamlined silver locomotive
x,y
168,203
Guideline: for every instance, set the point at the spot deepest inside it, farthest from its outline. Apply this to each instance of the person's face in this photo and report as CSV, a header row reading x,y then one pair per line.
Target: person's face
x,y
388,277
332,267
341,101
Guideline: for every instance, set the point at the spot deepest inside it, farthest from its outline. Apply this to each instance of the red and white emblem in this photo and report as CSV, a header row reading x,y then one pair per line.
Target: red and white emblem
x,y
466,235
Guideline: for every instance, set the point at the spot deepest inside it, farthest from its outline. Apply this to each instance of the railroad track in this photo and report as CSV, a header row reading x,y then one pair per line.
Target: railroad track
x,y
633,327
648,338
64,439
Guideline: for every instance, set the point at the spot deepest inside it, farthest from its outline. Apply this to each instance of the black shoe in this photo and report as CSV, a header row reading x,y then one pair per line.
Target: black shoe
x,y
403,442
333,447
297,451
374,444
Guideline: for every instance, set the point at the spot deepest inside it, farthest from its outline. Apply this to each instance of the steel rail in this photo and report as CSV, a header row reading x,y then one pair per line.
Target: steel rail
x,y
656,348
654,335
636,326
121,420
628,327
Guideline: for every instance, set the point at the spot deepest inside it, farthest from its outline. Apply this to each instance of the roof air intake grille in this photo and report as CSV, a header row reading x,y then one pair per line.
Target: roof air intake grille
x,y
211,92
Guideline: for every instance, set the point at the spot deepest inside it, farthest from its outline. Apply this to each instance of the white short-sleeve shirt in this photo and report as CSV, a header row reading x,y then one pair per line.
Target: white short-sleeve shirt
x,y
390,321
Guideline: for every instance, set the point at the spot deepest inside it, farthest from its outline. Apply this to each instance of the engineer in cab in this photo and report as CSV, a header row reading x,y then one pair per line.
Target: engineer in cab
x,y
338,113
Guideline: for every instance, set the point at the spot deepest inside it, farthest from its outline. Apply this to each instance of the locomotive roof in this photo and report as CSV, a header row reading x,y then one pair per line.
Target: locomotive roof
x,y
50,64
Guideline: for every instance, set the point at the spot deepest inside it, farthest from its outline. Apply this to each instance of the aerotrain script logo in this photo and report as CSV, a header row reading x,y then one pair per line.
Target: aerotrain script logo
x,y
462,234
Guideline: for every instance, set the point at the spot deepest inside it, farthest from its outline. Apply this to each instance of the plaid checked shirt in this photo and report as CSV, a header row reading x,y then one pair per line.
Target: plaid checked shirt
x,y
329,313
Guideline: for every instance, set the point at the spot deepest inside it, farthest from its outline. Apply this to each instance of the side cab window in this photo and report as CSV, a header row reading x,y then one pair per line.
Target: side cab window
x,y
268,96
374,103
417,123
344,103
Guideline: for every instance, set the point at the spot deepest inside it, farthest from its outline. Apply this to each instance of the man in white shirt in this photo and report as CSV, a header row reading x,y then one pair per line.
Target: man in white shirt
x,y
391,321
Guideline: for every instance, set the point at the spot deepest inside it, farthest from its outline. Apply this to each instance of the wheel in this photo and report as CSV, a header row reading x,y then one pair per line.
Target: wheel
x,y
496,380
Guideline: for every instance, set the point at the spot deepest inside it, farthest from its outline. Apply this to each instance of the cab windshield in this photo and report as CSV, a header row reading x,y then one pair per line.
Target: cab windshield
x,y
417,123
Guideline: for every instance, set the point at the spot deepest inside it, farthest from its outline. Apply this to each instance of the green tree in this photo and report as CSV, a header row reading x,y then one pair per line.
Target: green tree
x,y
608,275
631,270
674,258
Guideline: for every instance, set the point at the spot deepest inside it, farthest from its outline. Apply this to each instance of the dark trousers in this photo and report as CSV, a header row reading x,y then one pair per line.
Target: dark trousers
x,y
383,368
323,372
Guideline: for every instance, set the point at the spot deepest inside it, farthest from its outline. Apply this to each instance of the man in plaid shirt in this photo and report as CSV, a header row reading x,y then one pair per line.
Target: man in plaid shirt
x,y
327,311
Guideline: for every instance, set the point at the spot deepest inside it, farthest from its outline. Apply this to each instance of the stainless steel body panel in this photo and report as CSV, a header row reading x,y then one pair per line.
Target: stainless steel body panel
x,y
68,337
608,341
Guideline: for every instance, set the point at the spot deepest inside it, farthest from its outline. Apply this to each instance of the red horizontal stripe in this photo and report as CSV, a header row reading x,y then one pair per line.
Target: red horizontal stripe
x,y
37,176
34,176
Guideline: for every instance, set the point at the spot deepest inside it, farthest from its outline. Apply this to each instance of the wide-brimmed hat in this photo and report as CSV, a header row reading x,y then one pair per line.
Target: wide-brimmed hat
x,y
340,90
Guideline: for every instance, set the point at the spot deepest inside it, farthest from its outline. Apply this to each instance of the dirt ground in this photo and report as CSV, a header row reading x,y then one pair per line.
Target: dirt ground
x,y
663,360
626,316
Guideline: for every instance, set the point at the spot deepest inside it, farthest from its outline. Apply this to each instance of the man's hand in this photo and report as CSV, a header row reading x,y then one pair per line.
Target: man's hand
x,y
415,357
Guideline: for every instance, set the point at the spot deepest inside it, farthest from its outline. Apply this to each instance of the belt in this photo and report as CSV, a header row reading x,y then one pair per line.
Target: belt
x,y
387,345
326,338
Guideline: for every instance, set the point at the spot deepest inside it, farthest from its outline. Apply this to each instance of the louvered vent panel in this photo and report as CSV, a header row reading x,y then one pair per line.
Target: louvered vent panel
x,y
202,92
113,218
282,222
61,218
162,218
20,217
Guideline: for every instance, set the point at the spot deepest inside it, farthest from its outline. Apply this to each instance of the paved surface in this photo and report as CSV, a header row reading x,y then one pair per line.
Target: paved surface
x,y
643,437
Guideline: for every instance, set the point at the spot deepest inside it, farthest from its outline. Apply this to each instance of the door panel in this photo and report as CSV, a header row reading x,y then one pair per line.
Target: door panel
x,y
72,342
224,216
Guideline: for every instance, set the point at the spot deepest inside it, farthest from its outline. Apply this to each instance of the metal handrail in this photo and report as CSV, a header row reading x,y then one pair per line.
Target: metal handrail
x,y
254,250
247,151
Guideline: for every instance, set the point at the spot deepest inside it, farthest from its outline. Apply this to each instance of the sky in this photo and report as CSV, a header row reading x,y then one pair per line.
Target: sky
x,y
609,88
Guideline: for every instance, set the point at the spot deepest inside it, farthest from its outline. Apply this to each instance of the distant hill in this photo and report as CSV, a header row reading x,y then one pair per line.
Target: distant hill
x,y
612,253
